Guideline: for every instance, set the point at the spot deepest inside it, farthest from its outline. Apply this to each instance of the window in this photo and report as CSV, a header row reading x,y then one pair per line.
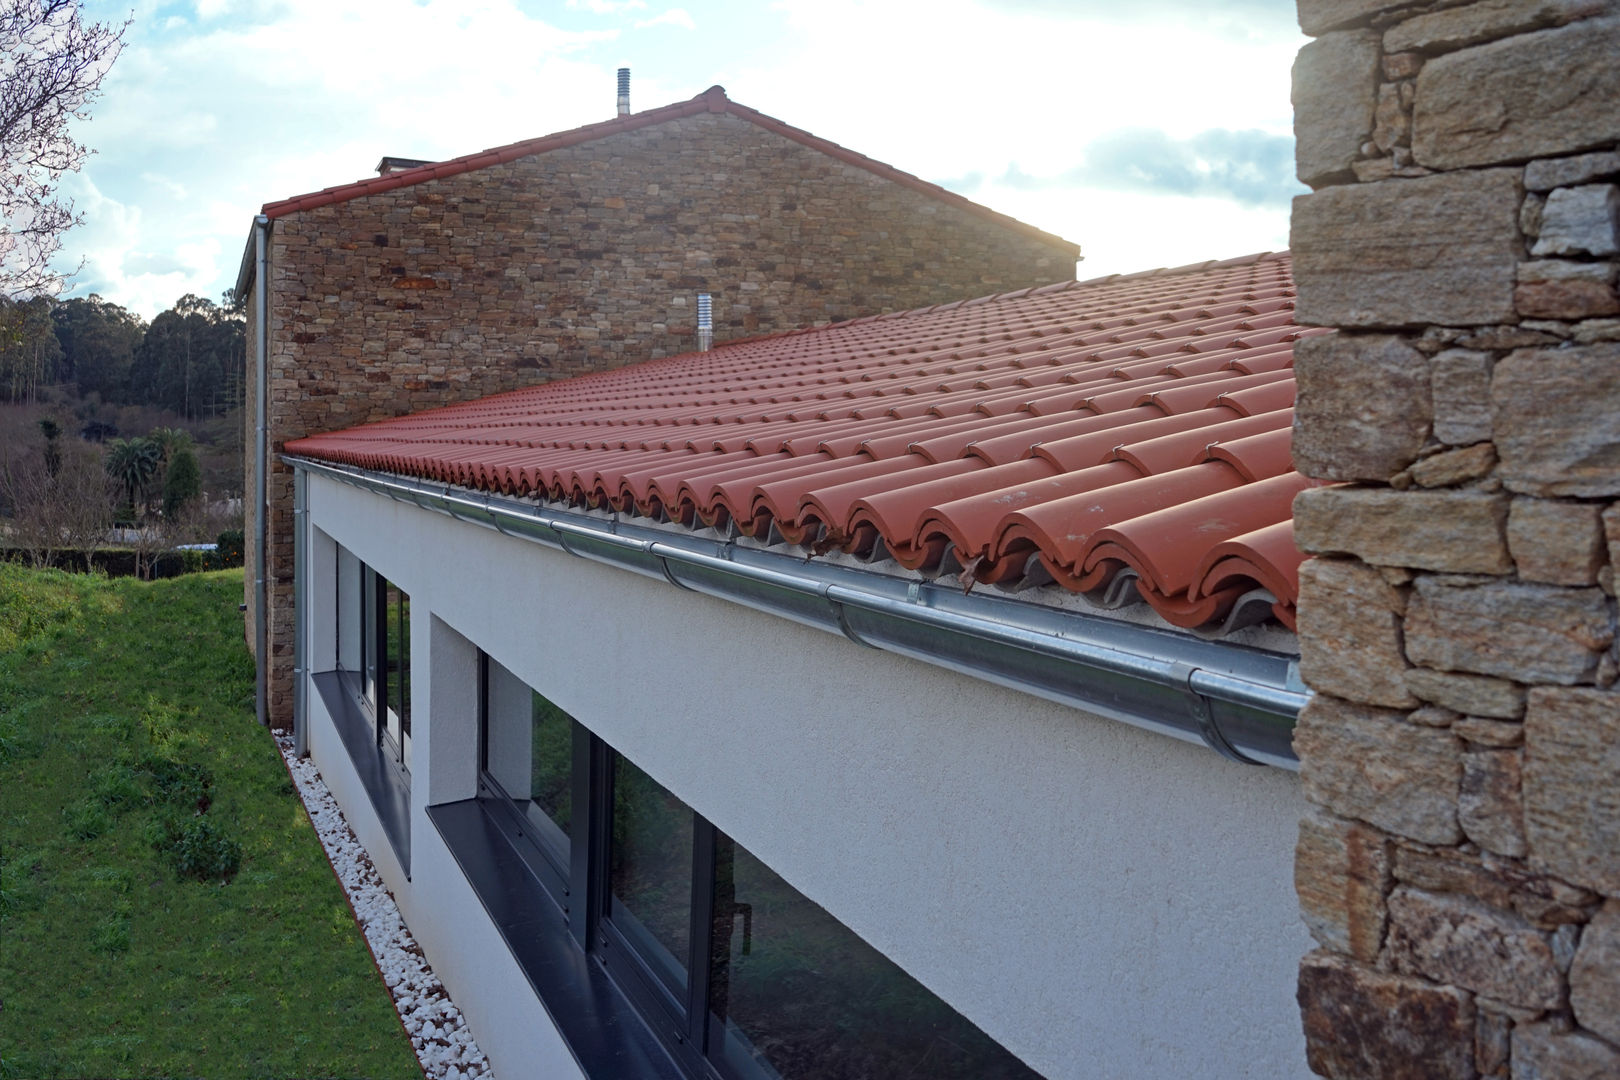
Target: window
x,y
368,693
734,972
374,652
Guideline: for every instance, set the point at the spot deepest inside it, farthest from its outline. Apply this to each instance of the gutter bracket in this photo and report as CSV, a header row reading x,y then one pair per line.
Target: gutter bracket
x,y
1198,705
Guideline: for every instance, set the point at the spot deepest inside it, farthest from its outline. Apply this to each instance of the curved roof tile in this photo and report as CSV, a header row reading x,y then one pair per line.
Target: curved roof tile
x,y
1126,437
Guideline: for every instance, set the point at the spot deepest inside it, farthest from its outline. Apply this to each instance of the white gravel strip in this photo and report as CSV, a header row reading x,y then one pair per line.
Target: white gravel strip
x,y
438,1032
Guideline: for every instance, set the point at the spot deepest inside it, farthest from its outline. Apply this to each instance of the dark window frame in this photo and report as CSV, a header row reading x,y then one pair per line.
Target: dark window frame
x,y
357,700
574,914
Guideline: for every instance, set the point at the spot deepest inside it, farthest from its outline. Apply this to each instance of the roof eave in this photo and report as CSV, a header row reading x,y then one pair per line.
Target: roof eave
x,y
1239,701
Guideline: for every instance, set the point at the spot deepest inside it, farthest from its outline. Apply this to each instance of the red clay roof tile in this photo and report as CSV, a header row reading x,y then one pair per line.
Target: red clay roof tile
x,y
1126,437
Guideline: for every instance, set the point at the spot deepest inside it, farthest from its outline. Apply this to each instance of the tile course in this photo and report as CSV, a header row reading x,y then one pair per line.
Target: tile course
x,y
1126,438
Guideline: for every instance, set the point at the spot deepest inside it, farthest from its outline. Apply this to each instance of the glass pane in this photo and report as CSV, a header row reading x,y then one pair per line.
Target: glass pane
x,y
528,751
349,607
652,872
551,762
396,623
368,633
796,993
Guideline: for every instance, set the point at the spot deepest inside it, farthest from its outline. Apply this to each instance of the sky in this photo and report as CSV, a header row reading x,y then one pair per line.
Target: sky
x,y
1149,132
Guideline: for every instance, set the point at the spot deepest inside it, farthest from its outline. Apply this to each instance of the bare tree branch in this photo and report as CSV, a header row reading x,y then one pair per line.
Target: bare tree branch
x,y
51,67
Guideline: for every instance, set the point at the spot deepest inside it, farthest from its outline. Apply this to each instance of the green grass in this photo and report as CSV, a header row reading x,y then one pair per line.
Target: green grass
x,y
130,763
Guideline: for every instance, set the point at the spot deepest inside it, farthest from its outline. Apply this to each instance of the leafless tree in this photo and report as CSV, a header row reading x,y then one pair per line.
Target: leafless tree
x,y
69,509
51,67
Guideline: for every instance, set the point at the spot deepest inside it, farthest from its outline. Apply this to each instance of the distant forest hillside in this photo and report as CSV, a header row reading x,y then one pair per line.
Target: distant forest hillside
x,y
86,374
189,361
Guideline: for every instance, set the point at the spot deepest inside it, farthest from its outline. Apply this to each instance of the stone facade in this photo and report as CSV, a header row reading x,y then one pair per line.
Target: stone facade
x,y
1460,863
588,255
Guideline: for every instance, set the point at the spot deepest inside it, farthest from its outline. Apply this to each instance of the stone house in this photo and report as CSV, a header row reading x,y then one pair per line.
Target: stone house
x,y
579,251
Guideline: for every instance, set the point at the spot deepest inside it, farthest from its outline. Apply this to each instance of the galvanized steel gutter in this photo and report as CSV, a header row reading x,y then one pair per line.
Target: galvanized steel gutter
x,y
1241,702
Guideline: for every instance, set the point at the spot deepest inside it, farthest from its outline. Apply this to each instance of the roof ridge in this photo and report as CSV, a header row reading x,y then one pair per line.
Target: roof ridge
x,y
1015,294
712,100
1188,268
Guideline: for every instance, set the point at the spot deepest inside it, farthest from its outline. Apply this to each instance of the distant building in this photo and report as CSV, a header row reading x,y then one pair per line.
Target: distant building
x,y
581,251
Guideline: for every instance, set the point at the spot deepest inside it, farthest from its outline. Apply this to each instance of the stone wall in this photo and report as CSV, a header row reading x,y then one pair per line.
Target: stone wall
x,y
1460,863
587,257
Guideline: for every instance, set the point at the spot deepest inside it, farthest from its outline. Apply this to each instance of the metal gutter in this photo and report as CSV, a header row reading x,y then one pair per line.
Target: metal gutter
x,y
1241,702
261,454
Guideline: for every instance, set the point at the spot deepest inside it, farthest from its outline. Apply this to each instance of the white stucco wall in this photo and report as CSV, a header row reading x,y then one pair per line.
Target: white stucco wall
x,y
1103,901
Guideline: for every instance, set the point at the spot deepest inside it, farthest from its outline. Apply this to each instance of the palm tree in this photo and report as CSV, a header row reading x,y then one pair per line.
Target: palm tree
x,y
133,463
170,441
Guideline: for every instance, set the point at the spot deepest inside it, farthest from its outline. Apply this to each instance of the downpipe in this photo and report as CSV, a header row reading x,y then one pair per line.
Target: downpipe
x,y
261,455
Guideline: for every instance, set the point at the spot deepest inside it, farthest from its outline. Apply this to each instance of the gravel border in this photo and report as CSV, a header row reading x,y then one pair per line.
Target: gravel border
x,y
438,1032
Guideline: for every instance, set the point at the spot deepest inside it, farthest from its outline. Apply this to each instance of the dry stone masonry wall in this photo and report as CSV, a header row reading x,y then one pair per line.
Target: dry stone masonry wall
x,y
1459,866
589,257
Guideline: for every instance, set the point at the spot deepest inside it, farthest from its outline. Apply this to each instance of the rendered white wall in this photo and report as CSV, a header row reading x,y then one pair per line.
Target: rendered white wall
x,y
1103,901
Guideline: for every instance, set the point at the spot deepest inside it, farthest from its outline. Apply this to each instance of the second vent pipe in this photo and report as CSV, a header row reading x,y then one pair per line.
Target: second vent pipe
x,y
624,91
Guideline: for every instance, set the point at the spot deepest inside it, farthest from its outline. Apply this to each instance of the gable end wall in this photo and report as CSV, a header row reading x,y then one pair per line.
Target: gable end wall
x,y
587,258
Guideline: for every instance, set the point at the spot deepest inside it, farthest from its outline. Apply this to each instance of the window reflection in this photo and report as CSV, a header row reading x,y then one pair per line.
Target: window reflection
x,y
651,872
528,752
795,993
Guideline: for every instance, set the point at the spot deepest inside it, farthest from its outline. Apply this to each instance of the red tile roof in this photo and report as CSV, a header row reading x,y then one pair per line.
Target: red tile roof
x,y
712,100
1123,437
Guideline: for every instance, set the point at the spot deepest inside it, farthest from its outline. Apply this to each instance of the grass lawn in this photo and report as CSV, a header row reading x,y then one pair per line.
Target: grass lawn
x,y
125,707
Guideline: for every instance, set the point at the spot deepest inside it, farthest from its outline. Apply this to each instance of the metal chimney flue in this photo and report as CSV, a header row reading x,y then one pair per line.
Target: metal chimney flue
x,y
624,91
705,322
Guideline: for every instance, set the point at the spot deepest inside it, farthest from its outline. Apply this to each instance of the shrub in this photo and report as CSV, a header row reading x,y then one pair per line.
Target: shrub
x,y
202,849
86,819
230,549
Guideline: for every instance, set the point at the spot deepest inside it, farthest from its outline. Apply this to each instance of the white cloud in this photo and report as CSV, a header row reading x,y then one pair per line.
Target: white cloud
x,y
607,7
258,100
672,17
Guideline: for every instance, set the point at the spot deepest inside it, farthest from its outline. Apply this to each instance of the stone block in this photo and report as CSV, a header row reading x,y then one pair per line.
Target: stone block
x,y
1458,466
1392,124
1581,220
1560,543
1567,171
1362,406
1458,27
1542,1052
1576,296
1320,16
1460,941
1528,633
1611,533
1533,95
1349,631
1506,884
1335,81
1489,806
1402,65
1493,1047
1342,874
1460,386
1433,250
1571,799
1594,977
1459,532
1361,1023
1482,732
1368,763
1556,420
1475,695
